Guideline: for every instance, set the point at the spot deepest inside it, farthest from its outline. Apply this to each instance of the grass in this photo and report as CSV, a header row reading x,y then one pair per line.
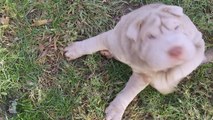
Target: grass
x,y
35,75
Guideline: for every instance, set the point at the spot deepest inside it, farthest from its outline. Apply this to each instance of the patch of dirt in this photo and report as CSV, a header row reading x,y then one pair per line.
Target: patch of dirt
x,y
125,9
34,13
50,53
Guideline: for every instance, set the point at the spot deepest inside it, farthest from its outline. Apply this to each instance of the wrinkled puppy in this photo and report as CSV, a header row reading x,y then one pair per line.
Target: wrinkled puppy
x,y
159,42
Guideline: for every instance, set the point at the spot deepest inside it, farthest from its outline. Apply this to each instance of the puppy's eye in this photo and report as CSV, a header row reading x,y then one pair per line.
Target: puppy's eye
x,y
177,27
150,36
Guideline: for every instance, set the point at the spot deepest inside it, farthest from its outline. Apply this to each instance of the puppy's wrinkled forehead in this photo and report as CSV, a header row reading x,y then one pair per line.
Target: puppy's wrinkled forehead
x,y
165,17
172,10
170,16
152,20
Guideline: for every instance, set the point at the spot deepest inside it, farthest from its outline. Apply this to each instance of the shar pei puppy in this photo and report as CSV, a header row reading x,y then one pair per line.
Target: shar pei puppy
x,y
159,42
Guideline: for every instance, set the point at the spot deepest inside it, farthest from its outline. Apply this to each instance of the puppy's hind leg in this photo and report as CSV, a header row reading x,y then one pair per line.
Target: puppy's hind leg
x,y
88,46
106,53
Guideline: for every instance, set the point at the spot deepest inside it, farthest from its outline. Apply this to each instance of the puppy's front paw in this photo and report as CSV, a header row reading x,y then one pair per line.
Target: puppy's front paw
x,y
114,112
73,51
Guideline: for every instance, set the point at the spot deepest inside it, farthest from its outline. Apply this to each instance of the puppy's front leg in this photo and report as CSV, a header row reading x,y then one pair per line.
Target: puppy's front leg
x,y
136,83
88,46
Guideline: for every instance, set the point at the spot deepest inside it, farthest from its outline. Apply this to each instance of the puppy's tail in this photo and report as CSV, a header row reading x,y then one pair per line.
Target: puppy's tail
x,y
208,55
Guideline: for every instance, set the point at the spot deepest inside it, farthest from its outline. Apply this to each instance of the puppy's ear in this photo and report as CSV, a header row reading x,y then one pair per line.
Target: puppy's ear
x,y
134,29
174,10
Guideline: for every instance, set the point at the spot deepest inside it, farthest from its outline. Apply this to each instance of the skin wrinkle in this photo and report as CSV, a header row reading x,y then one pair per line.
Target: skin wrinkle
x,y
143,23
164,17
167,10
171,13
123,47
163,25
161,28
146,78
167,73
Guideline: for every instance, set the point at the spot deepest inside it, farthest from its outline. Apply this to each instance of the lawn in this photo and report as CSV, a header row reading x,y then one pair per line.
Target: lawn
x,y
38,83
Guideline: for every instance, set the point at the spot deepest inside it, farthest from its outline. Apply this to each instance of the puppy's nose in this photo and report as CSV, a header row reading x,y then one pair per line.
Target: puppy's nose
x,y
175,52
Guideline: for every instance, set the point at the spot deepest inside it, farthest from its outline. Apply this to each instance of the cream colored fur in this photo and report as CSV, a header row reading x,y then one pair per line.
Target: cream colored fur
x,y
142,39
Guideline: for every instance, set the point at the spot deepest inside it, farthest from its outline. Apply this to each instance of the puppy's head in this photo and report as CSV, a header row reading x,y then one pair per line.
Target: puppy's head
x,y
165,37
